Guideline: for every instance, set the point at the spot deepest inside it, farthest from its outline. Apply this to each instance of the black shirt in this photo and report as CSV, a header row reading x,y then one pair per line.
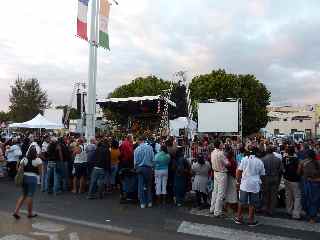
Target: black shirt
x,y
291,164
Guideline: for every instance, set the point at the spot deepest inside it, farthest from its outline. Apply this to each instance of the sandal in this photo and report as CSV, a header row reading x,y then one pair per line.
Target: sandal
x,y
16,216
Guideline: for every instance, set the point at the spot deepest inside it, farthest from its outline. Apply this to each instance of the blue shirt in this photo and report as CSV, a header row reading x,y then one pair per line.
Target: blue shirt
x,y
143,155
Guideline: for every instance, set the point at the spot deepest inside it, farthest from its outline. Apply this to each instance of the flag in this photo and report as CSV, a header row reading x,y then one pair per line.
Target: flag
x,y
103,24
82,19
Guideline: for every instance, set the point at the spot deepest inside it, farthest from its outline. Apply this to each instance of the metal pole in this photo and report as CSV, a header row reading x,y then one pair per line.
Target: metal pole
x,y
92,75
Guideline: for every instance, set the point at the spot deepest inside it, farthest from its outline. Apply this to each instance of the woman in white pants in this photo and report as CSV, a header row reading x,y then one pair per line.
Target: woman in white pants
x,y
161,162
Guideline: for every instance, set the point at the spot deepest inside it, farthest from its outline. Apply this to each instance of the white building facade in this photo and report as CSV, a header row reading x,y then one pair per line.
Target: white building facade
x,y
287,120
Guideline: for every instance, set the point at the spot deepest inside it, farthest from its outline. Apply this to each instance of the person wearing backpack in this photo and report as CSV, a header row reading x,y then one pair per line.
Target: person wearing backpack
x,y
31,166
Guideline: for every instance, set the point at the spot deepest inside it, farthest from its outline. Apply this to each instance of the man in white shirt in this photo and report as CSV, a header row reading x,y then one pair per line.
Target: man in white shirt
x,y
219,166
13,154
248,178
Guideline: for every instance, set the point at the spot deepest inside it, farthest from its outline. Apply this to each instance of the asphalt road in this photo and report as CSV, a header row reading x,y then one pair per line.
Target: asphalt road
x,y
107,219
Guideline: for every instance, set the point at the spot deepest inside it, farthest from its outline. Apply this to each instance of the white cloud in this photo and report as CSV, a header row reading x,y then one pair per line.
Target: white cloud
x,y
275,40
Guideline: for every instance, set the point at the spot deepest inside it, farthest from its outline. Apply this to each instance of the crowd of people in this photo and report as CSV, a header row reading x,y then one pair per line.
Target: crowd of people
x,y
224,174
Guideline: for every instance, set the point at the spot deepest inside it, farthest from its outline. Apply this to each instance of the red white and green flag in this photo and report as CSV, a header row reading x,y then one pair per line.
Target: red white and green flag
x,y
82,19
103,24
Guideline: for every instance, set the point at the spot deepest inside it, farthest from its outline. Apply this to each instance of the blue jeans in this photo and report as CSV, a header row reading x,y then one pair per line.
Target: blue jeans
x,y
65,177
312,197
29,186
144,184
97,181
180,185
55,172
114,171
44,176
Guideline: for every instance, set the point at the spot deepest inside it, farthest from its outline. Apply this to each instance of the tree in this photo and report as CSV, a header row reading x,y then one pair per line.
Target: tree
x,y
27,99
220,85
179,97
141,86
4,116
152,85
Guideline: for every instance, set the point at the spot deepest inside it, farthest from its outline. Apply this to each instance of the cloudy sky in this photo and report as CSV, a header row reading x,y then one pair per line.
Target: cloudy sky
x,y
278,41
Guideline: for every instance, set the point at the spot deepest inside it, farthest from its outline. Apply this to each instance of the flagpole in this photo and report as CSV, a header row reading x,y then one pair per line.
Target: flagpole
x,y
92,73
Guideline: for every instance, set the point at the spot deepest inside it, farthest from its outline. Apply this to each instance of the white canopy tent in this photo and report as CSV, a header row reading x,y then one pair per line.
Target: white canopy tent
x,y
37,122
183,123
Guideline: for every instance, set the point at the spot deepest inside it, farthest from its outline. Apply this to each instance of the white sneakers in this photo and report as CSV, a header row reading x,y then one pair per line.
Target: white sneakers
x,y
144,206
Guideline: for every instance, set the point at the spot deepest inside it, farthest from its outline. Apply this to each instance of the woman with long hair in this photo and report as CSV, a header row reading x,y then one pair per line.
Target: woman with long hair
x,y
32,166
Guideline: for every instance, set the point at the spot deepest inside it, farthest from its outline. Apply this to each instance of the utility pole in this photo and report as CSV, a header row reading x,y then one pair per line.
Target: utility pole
x,y
92,75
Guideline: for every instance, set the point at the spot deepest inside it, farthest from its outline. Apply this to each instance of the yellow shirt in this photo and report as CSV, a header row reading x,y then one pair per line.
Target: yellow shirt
x,y
115,155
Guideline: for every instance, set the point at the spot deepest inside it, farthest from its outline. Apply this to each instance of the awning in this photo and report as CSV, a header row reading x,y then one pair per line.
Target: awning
x,y
135,99
37,122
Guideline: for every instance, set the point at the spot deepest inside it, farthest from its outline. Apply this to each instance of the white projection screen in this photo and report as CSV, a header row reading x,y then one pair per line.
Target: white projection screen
x,y
220,117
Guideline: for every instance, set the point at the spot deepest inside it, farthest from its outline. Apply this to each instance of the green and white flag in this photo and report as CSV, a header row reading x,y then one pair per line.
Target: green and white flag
x,y
103,24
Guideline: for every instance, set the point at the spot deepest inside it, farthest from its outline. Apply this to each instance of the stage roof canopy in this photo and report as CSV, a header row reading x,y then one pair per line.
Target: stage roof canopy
x,y
134,99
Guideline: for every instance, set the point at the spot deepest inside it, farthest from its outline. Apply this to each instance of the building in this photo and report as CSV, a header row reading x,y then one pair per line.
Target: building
x,y
289,119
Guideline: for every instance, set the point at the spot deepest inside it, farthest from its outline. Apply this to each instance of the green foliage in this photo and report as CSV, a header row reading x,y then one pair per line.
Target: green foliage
x,y
151,86
220,85
141,86
4,116
27,99
179,97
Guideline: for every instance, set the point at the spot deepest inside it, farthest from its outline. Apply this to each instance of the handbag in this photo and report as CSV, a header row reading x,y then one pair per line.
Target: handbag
x,y
18,180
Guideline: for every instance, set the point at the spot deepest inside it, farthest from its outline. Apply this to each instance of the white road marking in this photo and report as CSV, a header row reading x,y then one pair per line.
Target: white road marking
x,y
48,227
275,222
289,224
74,236
110,228
211,231
51,236
16,237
